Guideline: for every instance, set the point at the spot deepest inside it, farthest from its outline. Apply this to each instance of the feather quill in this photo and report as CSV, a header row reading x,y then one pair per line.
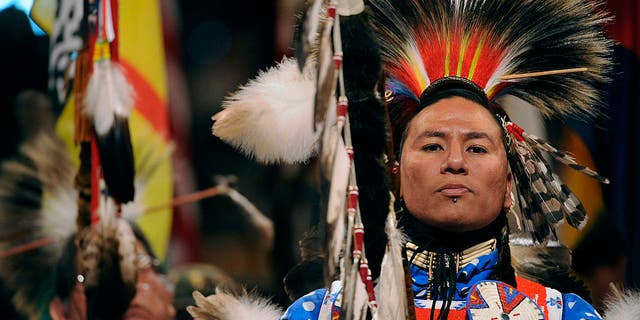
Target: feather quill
x,y
256,217
307,32
336,211
391,284
326,73
355,298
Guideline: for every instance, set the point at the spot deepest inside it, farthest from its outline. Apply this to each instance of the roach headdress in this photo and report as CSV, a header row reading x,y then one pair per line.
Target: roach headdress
x,y
549,53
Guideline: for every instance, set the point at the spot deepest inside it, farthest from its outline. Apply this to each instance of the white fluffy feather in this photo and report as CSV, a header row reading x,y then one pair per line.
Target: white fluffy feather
x,y
625,307
271,118
226,306
108,94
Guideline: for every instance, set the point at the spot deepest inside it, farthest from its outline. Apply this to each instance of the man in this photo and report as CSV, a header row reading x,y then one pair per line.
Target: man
x,y
466,171
38,210
455,190
152,300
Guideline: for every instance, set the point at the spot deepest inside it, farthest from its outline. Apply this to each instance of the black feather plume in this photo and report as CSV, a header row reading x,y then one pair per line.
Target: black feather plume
x,y
367,121
116,159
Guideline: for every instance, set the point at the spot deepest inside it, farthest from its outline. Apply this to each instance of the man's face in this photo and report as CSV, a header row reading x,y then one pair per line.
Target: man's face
x,y
453,171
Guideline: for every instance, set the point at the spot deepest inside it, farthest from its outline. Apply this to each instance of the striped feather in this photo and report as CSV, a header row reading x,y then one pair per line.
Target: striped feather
x,y
544,193
563,157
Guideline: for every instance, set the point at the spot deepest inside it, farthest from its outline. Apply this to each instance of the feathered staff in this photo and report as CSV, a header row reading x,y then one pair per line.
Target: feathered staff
x,y
549,53
255,117
107,247
259,114
109,100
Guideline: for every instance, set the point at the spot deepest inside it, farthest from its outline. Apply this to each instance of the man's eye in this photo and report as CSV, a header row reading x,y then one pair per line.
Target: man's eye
x,y
432,147
477,149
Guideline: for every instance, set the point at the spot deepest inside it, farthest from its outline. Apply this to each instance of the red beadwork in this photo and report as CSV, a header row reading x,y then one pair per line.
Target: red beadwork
x,y
337,60
364,270
353,197
343,104
358,240
350,152
331,10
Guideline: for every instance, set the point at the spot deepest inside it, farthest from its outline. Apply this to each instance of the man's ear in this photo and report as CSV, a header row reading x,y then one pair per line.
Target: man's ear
x,y
57,310
507,194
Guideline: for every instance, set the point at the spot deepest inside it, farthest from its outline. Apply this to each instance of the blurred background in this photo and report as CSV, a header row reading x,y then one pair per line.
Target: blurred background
x,y
208,48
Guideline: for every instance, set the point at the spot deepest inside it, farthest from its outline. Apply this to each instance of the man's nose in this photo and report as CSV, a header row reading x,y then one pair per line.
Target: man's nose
x,y
454,161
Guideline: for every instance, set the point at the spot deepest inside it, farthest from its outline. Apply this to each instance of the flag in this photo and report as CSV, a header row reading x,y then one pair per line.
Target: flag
x,y
141,53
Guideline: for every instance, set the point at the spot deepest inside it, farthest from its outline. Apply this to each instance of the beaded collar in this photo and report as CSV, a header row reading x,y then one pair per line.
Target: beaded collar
x,y
427,259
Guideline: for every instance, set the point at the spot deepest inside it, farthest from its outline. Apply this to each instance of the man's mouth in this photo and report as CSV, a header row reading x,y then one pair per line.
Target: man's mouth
x,y
453,190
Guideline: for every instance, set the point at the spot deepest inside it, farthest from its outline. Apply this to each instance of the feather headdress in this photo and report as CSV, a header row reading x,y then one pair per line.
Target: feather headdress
x,y
36,184
38,209
549,53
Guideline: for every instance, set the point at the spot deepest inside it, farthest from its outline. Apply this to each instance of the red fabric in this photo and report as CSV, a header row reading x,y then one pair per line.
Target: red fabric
x,y
535,291
423,314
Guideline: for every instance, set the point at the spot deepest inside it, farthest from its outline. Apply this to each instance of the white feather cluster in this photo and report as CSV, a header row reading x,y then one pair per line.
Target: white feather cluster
x,y
226,306
108,94
271,118
625,307
127,251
